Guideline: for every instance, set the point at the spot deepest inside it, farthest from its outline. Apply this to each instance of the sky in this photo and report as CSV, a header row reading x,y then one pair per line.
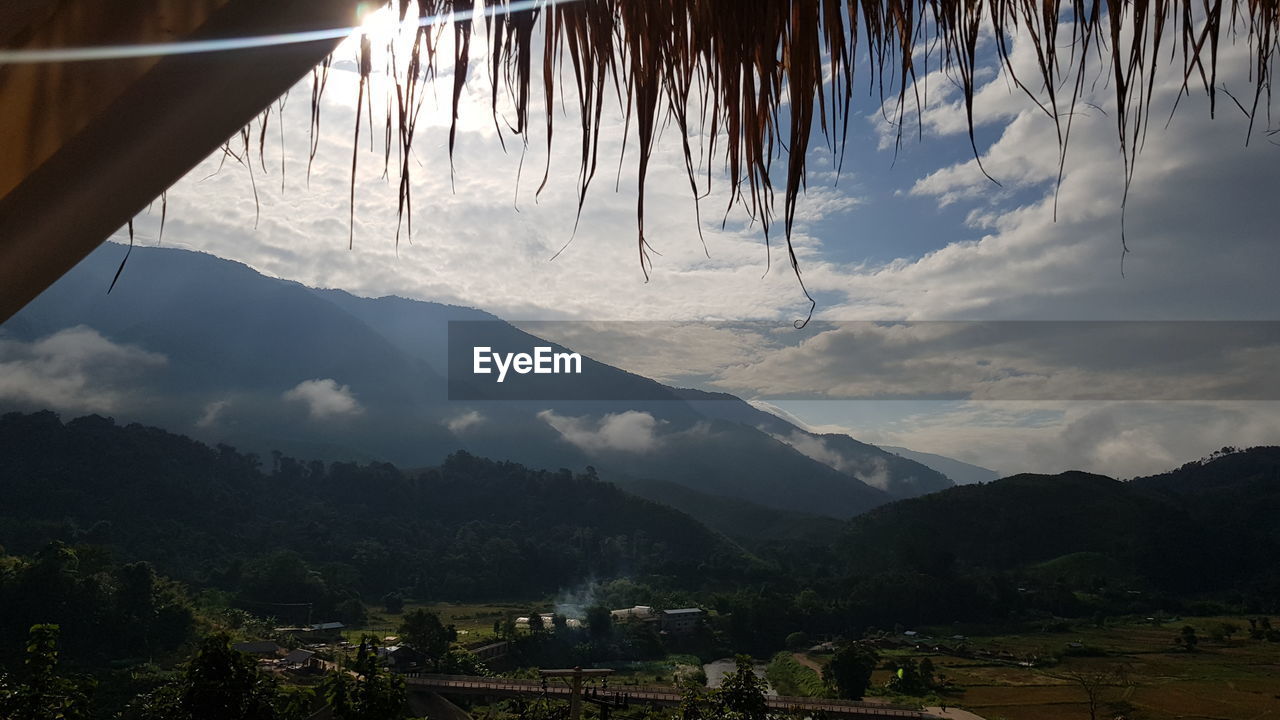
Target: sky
x,y
909,232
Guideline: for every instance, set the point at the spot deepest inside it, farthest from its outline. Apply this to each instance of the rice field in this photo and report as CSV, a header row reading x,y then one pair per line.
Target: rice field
x,y
1141,674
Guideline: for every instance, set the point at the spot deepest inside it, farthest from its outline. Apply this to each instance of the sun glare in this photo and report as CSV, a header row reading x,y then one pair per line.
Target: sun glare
x,y
380,24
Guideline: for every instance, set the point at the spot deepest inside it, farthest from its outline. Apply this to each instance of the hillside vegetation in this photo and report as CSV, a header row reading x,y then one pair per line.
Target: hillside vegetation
x,y
287,531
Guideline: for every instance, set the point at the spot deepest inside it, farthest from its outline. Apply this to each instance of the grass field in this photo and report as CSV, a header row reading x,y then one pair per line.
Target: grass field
x,y
1223,680
473,621
1233,679
789,676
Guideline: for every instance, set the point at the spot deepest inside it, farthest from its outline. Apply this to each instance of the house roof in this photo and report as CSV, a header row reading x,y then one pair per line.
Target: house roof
x,y
298,656
258,647
328,626
683,611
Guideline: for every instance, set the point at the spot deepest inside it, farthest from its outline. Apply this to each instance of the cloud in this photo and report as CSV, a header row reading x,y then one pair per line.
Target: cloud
x,y
1021,361
483,239
1200,222
782,413
75,370
480,236
1120,439
212,412
669,352
466,420
631,431
324,398
873,471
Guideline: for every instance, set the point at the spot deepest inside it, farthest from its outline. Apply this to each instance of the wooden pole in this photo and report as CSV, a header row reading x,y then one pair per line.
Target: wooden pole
x,y
576,676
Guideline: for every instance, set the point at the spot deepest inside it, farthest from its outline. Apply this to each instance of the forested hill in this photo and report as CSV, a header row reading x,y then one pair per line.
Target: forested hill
x,y
285,531
212,349
1207,528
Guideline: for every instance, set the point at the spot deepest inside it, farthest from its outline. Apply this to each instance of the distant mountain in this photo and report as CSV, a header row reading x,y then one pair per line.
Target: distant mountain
x,y
897,476
1206,527
959,472
215,350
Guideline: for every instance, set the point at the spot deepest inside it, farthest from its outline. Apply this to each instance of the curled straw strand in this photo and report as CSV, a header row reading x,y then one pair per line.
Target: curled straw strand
x,y
725,71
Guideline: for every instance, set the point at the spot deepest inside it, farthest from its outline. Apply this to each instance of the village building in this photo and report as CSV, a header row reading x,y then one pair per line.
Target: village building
x,y
259,648
639,612
681,621
301,659
400,657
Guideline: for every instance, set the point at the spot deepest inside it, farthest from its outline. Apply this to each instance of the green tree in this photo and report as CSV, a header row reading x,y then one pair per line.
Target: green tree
x,y
423,631
218,684
351,611
366,690
599,621
927,680
798,640
1187,639
909,679
393,602
742,693
282,576
39,692
849,672
560,623
535,622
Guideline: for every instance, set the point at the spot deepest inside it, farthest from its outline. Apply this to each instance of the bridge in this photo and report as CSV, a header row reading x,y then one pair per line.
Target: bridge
x,y
642,694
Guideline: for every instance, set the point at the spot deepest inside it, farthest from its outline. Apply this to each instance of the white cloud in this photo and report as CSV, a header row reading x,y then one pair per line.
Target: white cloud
x,y
664,351
873,471
478,241
629,431
324,398
466,420
1200,222
1120,439
212,411
75,370
1020,361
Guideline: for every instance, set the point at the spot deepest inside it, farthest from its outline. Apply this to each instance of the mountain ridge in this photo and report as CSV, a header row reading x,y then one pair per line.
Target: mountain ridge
x,y
265,364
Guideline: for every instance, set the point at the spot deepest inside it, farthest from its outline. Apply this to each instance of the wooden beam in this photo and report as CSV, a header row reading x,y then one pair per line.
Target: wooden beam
x,y
85,146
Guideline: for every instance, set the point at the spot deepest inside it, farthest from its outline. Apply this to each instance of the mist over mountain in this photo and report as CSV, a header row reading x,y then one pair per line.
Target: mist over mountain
x,y
211,348
958,471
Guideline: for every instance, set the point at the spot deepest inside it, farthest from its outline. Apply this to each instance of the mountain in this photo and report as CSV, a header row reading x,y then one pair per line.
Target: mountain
x,y
212,349
898,477
1235,492
747,523
959,472
1206,527
298,532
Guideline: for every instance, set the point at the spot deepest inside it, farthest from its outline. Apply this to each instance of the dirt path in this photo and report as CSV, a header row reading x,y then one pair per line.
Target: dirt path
x,y
808,662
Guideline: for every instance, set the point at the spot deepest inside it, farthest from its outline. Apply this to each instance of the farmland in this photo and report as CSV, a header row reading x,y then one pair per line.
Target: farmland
x,y
1139,672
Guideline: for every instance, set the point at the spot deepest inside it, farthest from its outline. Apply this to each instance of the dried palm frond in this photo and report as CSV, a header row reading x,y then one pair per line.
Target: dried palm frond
x,y
724,70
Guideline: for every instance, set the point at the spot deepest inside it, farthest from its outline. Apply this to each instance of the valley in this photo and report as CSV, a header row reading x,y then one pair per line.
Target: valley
x,y
342,508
